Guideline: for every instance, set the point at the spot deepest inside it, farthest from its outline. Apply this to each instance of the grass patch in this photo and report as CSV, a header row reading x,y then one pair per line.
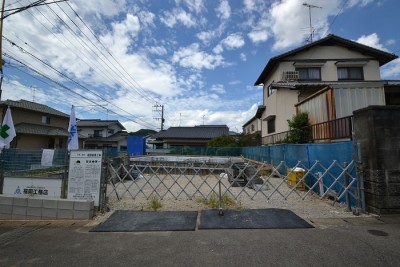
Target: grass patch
x,y
227,202
155,203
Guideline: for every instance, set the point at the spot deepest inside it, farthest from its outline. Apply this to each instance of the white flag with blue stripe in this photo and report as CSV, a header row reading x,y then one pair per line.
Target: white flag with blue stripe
x,y
73,143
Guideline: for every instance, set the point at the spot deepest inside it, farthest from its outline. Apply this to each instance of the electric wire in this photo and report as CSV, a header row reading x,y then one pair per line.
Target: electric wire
x,y
141,93
136,87
69,89
113,68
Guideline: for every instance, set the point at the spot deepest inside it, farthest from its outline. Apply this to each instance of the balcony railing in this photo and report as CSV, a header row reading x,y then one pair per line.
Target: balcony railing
x,y
339,129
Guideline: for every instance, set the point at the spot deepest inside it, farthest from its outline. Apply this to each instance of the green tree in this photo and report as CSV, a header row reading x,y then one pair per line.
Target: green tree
x,y
223,141
299,129
250,140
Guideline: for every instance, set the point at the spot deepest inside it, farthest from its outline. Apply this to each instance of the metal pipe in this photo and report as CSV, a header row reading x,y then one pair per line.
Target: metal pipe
x,y
220,211
346,184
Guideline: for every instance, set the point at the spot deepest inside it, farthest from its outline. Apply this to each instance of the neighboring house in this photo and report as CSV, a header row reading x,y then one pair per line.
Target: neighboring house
x,y
37,125
99,134
253,125
188,136
328,79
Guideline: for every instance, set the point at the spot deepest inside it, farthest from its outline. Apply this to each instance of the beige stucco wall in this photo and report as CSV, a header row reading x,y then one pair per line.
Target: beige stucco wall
x,y
332,54
38,141
257,126
20,115
281,102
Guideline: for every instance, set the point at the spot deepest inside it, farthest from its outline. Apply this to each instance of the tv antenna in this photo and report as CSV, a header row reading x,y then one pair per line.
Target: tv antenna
x,y
309,13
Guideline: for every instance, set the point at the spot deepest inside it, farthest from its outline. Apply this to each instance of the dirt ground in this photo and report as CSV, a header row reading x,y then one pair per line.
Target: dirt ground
x,y
182,193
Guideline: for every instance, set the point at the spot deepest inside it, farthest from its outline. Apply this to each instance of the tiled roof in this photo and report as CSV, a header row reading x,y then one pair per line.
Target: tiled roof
x,y
382,56
196,132
28,105
112,138
27,128
98,123
307,85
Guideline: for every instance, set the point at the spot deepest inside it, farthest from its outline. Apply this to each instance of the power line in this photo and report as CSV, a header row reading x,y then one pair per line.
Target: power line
x,y
34,4
138,87
69,89
337,15
125,77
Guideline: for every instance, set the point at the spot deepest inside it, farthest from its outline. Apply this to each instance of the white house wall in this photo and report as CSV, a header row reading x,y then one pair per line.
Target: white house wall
x,y
281,104
332,54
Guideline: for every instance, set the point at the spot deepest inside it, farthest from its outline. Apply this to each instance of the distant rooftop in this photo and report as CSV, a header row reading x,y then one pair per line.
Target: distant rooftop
x,y
98,123
28,105
196,132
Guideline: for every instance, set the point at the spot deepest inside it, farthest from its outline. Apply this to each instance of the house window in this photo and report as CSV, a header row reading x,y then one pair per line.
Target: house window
x,y
252,127
97,133
306,74
350,73
271,125
45,119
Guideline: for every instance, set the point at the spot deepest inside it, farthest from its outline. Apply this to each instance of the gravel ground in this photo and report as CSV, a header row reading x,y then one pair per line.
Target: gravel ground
x,y
184,193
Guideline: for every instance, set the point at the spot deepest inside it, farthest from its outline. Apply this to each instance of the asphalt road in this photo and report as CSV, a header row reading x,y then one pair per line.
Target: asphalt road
x,y
360,241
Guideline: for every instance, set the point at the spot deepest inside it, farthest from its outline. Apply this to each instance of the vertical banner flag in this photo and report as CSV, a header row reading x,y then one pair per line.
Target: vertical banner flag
x,y
73,131
7,132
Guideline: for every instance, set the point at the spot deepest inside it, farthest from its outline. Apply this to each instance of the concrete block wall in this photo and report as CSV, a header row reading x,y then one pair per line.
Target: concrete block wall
x,y
377,130
25,208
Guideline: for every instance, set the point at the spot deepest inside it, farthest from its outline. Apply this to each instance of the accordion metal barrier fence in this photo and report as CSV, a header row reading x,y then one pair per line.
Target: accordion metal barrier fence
x,y
237,178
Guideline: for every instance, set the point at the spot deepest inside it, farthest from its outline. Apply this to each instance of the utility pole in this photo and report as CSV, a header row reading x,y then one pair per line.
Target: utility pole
x,y
1,44
160,108
309,13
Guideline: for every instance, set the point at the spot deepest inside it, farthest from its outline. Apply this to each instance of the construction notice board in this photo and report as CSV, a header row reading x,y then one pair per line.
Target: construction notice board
x,y
84,175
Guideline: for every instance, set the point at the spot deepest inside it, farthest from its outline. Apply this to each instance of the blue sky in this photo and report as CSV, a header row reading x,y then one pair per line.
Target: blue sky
x,y
198,58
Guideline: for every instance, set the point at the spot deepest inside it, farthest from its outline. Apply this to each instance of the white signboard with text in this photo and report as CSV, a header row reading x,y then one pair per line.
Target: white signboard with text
x,y
39,187
84,175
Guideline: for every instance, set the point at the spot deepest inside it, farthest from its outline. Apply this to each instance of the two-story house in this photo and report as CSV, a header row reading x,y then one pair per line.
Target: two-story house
x,y
37,125
253,126
99,134
328,79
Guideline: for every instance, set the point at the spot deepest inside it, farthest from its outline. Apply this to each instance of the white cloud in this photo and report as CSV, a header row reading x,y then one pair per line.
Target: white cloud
x,y
362,3
99,8
391,42
258,36
146,18
192,57
157,50
208,36
224,9
231,42
195,5
371,40
249,5
177,15
391,70
235,82
289,21
243,57
218,88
